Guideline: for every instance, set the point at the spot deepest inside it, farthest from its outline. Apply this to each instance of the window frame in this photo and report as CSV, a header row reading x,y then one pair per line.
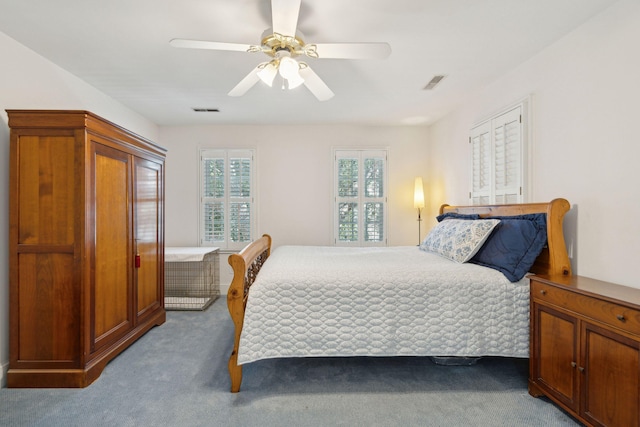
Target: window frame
x,y
481,173
226,154
360,154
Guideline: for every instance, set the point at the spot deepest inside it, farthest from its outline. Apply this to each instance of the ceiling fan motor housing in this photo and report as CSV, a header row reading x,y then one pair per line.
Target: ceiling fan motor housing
x,y
274,43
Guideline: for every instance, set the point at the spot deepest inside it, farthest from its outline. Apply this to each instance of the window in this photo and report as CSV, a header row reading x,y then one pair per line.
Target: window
x,y
498,148
226,198
360,197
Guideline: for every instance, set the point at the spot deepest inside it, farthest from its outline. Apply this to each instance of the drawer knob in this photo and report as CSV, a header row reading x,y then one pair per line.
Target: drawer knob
x,y
621,317
543,291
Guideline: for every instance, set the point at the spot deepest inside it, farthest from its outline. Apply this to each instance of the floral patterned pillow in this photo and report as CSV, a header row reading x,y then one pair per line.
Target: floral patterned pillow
x,y
458,239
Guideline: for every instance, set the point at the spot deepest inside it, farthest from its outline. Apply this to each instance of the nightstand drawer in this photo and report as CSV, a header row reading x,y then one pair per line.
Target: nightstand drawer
x,y
612,314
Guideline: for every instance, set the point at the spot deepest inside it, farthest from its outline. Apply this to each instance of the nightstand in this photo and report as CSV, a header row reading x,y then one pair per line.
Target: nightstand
x,y
585,348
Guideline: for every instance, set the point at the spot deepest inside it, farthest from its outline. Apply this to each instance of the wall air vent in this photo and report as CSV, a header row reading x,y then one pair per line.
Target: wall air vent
x,y
206,110
434,81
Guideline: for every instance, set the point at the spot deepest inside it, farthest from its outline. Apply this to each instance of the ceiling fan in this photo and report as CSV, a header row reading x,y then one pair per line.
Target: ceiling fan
x,y
283,44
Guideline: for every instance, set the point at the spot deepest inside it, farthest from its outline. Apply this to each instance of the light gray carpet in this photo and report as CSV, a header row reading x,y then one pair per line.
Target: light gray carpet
x,y
176,375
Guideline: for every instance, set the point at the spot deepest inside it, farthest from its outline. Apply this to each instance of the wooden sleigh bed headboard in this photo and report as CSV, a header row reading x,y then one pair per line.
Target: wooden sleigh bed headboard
x,y
247,263
554,258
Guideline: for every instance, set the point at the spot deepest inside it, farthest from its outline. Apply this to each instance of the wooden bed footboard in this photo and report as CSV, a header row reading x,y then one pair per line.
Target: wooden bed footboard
x,y
246,264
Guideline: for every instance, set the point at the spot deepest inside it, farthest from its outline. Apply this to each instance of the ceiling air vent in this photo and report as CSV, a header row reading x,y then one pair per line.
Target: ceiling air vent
x,y
434,81
206,110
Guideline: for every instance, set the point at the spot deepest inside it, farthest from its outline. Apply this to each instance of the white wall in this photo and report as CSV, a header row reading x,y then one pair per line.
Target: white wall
x,y
295,176
28,81
586,148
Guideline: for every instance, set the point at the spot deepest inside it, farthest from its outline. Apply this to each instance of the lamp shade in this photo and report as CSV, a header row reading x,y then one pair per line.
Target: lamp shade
x,y
268,73
418,194
288,67
294,81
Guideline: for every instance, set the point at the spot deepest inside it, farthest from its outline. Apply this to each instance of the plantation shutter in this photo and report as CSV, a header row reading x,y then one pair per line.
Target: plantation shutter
x,y
213,198
360,199
481,165
374,196
497,148
507,157
239,198
347,199
226,198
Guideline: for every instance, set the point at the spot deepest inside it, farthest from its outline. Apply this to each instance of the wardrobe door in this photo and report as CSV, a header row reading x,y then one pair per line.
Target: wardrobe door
x,y
44,289
149,255
111,291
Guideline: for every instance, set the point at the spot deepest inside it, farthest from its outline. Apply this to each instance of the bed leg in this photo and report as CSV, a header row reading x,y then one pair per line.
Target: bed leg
x,y
235,372
236,309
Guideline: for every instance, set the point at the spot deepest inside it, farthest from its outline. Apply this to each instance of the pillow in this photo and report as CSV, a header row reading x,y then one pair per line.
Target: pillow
x,y
514,245
450,215
458,239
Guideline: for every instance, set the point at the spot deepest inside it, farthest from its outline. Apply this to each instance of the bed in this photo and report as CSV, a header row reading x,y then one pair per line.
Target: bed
x,y
431,300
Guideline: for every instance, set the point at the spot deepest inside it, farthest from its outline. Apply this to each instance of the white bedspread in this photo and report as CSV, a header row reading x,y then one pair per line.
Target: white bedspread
x,y
392,301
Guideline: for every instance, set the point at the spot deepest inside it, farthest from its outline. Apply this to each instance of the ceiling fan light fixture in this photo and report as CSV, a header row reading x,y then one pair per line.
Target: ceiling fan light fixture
x,y
268,73
294,81
289,68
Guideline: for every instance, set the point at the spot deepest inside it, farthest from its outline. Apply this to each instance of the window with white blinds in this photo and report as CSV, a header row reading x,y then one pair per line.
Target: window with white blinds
x,y
226,198
360,197
497,159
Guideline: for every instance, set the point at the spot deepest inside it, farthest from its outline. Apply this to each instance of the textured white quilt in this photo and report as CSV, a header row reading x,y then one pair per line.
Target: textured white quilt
x,y
393,301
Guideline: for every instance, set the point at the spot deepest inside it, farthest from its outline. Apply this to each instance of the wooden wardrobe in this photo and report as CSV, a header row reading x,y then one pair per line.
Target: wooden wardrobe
x,y
86,245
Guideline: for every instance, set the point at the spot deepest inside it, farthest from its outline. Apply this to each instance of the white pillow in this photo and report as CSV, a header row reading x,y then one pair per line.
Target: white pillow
x,y
458,239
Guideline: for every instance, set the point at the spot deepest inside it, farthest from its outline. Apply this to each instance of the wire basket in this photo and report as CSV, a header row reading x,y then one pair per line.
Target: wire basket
x,y
192,285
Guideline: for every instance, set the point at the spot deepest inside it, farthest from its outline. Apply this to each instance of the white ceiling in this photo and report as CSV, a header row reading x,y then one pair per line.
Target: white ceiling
x,y
122,48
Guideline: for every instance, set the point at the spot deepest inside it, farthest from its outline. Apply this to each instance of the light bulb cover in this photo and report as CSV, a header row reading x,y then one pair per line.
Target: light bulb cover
x,y
288,68
294,81
268,73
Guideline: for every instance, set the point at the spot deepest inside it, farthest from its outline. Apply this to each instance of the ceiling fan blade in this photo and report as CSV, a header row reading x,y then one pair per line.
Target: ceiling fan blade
x,y
315,84
284,16
200,44
246,83
353,50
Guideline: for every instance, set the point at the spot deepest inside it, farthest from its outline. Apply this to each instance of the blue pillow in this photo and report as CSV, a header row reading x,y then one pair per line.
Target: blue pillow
x,y
455,215
514,245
